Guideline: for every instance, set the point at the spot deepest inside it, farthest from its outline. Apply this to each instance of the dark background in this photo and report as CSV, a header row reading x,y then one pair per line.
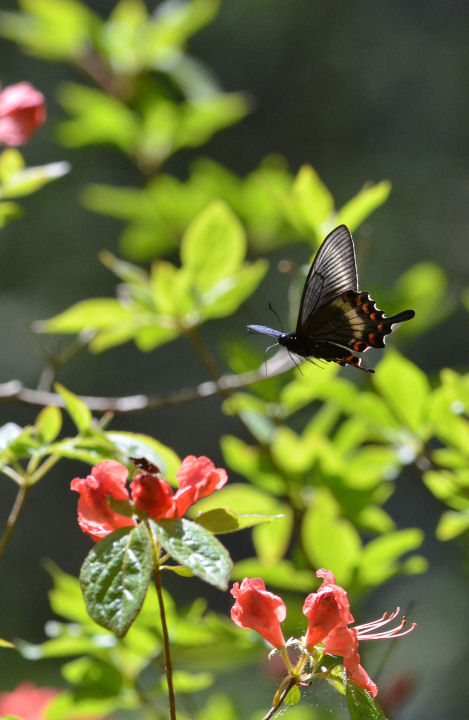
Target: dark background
x,y
365,90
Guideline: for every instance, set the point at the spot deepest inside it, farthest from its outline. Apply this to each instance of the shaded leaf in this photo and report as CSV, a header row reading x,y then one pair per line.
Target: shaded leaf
x,y
361,705
115,577
196,548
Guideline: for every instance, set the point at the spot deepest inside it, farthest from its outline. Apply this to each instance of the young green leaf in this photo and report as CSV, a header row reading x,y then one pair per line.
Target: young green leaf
x,y
115,578
224,520
363,204
330,540
48,423
213,246
76,408
406,389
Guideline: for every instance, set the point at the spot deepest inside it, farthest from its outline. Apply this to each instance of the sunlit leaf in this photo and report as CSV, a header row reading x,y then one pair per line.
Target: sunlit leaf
x,y
213,246
405,388
48,423
362,205
328,539
76,408
380,558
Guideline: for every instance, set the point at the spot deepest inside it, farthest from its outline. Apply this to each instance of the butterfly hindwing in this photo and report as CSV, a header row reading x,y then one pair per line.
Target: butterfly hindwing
x,y
333,271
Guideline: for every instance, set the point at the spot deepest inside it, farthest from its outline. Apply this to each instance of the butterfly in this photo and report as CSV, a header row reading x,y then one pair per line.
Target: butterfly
x,y
335,318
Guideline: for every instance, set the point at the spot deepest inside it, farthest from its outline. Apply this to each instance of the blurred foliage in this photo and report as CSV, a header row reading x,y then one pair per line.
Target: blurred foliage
x,y
16,180
105,675
323,453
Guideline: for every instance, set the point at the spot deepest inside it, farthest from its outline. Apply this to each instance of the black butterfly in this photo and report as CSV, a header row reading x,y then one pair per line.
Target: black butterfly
x,y
335,317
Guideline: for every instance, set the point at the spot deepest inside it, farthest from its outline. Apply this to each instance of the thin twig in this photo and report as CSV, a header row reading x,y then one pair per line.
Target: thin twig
x,y
164,626
15,391
293,681
18,505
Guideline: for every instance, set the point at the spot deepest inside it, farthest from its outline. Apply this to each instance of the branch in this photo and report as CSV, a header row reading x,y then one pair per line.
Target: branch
x,y
15,391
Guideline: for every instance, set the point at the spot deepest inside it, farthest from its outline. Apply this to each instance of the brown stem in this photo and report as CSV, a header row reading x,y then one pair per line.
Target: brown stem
x,y
18,506
293,681
164,627
14,390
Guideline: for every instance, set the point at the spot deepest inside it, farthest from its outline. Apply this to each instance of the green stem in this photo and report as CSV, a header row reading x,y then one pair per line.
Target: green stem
x,y
43,469
164,626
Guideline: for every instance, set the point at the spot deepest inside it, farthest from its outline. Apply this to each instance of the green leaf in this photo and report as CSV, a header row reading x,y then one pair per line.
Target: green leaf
x,y
202,117
11,162
9,211
213,246
94,676
186,682
423,288
293,696
27,181
281,574
228,294
243,499
172,289
314,202
48,423
452,524
224,520
92,314
99,118
379,559
361,705
406,390
195,548
115,578
362,205
271,541
328,539
76,408
52,29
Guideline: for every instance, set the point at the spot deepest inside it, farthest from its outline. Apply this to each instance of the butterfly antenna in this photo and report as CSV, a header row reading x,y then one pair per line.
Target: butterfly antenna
x,y
271,307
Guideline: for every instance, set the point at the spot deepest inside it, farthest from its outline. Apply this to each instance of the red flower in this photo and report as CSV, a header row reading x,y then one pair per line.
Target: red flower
x,y
95,516
340,595
22,111
153,495
26,701
197,477
259,610
323,613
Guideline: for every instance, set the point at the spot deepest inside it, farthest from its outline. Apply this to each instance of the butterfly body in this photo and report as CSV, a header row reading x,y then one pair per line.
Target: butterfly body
x,y
335,318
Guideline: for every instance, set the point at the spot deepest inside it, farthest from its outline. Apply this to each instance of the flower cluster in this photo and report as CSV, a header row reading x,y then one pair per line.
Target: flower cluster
x,y
22,111
328,613
197,477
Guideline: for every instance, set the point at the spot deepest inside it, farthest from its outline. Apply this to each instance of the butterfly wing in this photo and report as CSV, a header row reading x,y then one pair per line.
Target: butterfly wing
x,y
333,271
352,321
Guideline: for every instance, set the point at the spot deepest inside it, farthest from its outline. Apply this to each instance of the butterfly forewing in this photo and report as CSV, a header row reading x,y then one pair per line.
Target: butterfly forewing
x,y
333,271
